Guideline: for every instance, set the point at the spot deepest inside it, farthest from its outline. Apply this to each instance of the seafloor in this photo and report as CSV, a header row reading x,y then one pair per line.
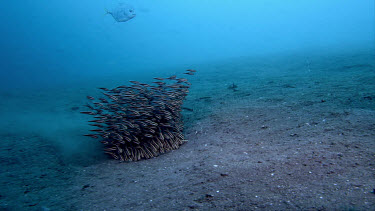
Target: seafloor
x,y
298,133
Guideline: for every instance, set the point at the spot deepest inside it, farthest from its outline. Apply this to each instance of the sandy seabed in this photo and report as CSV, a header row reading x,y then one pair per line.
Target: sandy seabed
x,y
298,133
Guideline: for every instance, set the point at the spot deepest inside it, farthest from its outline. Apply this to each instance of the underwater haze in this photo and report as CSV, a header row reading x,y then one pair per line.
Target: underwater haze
x,y
54,42
280,114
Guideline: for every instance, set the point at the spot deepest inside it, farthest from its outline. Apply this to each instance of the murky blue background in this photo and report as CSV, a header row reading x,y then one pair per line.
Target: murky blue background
x,y
47,42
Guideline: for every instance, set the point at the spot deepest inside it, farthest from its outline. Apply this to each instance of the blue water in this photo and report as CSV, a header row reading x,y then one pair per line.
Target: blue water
x,y
52,42
54,53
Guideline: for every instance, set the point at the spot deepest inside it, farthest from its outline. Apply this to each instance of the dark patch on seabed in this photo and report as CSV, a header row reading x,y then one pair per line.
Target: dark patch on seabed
x,y
275,134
